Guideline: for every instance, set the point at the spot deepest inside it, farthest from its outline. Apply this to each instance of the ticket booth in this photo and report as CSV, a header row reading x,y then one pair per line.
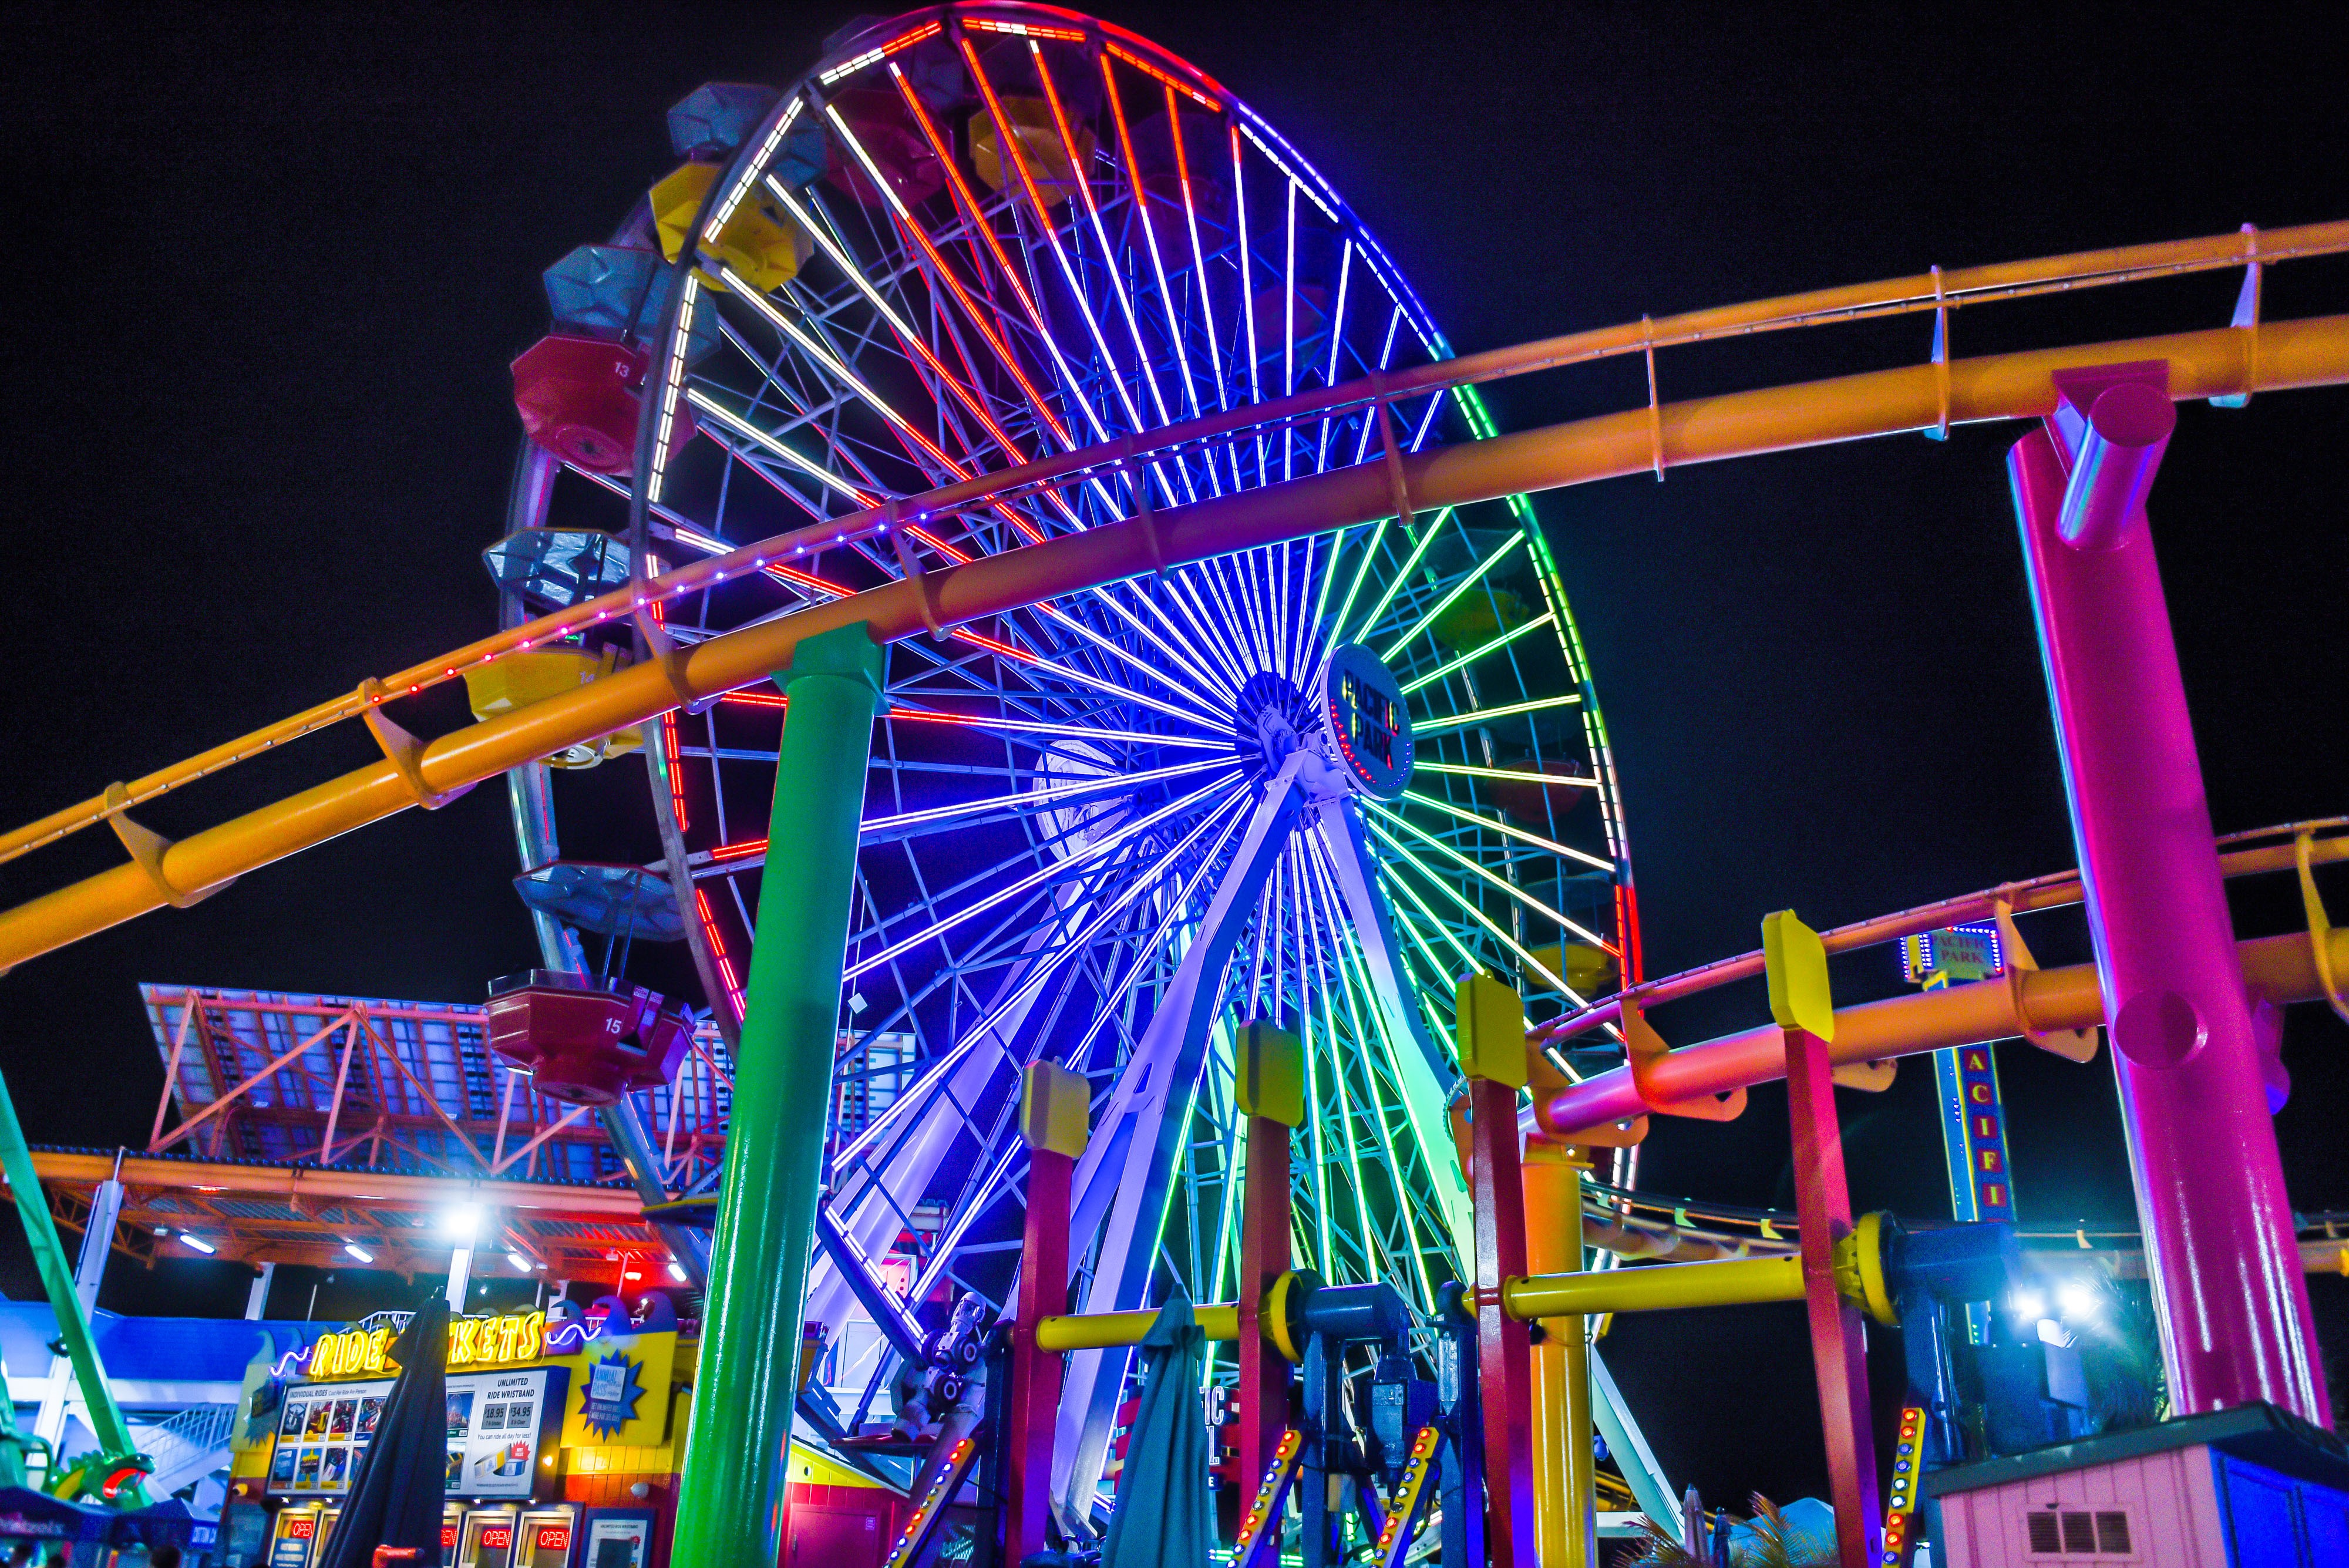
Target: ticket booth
x,y
296,1538
487,1537
452,1521
330,1515
549,1537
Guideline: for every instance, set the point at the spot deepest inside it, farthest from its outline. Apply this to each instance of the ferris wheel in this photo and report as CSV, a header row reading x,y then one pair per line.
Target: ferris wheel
x,y
1307,784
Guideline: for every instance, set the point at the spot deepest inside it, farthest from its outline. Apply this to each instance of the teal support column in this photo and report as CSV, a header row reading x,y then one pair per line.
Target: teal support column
x,y
729,1501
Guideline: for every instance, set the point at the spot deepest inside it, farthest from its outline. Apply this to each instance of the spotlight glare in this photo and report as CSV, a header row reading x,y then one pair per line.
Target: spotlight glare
x,y
522,1265
2028,1304
2078,1299
464,1222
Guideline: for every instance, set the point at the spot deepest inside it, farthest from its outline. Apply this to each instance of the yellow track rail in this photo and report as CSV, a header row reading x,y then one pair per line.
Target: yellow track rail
x,y
2226,361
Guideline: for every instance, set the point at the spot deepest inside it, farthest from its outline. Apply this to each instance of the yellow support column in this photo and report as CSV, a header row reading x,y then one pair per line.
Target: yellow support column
x,y
1565,1510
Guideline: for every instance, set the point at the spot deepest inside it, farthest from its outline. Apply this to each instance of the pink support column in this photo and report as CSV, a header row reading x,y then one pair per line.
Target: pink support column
x,y
2228,1290
1052,1123
1839,1337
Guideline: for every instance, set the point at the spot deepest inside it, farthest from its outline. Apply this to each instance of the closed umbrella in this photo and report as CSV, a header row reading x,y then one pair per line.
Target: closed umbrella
x,y
402,1482
1164,1518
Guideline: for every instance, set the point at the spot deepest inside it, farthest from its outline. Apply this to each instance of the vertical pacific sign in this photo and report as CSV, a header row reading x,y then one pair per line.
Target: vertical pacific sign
x,y
1980,1185
1973,1119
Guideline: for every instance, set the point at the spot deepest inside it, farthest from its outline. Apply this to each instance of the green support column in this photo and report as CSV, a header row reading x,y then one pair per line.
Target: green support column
x,y
729,1501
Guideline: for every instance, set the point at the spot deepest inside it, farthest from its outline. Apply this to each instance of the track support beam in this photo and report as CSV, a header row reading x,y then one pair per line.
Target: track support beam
x,y
2228,1290
731,1499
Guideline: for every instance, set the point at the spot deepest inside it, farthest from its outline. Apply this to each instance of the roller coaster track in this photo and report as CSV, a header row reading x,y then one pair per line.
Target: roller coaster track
x,y
2231,362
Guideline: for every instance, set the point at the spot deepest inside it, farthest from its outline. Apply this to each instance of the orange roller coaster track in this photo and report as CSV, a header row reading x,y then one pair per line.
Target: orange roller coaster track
x,y
2227,362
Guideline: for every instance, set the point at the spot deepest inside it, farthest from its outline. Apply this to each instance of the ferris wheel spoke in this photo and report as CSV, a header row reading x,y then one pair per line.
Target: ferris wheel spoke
x,y
1050,959
1450,596
1310,923
1443,722
1507,942
1564,851
1353,957
1009,141
1465,661
1083,180
978,225
1139,212
1080,857
1401,578
1484,872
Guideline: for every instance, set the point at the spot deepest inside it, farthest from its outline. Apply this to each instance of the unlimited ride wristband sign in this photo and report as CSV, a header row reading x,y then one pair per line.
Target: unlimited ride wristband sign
x,y
498,1425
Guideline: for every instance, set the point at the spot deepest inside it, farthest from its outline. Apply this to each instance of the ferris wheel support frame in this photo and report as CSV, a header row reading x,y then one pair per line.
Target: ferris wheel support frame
x,y
1146,1110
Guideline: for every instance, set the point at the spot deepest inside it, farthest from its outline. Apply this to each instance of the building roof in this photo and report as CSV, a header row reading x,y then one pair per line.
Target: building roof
x,y
2260,1433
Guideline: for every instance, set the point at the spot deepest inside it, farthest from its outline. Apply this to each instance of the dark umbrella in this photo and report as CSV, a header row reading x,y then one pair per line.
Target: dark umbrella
x,y
1164,1518
402,1482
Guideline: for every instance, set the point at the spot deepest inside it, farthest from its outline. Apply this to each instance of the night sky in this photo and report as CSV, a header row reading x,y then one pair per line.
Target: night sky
x,y
270,265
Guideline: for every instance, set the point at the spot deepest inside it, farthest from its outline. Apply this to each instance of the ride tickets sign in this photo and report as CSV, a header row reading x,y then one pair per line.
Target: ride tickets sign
x,y
364,1352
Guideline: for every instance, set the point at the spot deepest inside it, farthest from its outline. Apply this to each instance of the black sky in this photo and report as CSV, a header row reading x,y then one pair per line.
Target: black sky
x,y
269,265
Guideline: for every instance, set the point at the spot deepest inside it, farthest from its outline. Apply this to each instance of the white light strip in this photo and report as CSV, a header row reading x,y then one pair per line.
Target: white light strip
x,y
744,428
750,172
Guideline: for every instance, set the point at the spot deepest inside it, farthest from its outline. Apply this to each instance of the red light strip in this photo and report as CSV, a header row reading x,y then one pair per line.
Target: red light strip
x,y
1025,30
976,219
1146,68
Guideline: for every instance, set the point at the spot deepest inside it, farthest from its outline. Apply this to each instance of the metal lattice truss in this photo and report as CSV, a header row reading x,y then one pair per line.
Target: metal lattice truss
x,y
1023,233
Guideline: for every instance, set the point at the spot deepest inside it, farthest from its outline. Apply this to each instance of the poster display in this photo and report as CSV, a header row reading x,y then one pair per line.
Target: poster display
x,y
497,1424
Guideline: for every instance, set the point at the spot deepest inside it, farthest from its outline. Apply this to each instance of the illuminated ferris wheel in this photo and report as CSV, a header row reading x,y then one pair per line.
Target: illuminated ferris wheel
x,y
1310,784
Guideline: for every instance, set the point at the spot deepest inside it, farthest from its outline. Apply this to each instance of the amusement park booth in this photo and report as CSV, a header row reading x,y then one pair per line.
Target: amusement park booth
x,y
563,1438
2253,1487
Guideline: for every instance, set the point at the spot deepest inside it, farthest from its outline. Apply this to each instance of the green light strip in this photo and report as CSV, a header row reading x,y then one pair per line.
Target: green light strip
x,y
1402,573
1507,775
1345,1115
1476,576
1476,964
1355,977
1472,654
1369,554
1535,839
1449,891
1487,715
1503,883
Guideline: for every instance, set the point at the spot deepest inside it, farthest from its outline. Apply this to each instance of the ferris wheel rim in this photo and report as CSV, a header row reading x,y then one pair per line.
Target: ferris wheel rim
x,y
1213,671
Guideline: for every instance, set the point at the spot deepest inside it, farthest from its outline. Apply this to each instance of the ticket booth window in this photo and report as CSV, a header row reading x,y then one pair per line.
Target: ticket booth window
x,y
545,1541
294,1539
487,1540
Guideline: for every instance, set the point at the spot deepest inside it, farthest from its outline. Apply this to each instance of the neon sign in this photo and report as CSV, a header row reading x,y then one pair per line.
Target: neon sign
x,y
1365,708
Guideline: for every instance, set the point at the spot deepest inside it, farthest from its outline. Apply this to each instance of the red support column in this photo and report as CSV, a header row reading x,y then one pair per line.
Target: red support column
x,y
1052,1107
1268,1073
1805,1010
1493,1052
